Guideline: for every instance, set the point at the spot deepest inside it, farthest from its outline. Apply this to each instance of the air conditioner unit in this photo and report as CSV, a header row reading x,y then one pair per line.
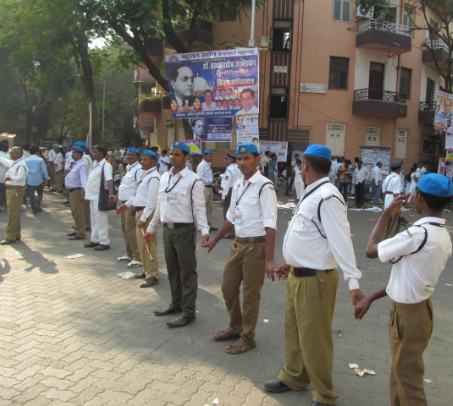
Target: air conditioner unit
x,y
437,26
364,12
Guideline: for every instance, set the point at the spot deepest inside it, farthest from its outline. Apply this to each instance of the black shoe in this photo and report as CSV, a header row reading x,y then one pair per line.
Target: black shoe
x,y
140,275
91,244
149,282
319,404
6,242
276,386
102,247
66,202
71,234
180,321
38,208
213,229
75,237
169,310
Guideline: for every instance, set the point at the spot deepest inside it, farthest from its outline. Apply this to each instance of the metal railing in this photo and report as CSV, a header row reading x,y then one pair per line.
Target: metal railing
x,y
376,94
435,44
427,106
387,27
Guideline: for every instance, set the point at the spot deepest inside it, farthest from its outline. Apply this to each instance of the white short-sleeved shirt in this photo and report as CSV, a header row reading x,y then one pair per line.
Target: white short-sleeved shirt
x,y
204,171
391,184
129,182
163,161
93,186
414,277
232,174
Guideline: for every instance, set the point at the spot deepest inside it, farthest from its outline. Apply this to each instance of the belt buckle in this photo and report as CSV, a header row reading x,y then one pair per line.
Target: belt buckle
x,y
170,225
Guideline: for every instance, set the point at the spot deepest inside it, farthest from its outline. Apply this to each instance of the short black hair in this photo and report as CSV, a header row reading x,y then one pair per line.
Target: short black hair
x,y
435,203
348,161
175,71
164,151
33,149
101,149
319,165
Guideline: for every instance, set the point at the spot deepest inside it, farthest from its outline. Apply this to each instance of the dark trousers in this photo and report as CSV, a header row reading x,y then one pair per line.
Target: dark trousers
x,y
2,194
31,194
179,249
290,186
343,188
359,195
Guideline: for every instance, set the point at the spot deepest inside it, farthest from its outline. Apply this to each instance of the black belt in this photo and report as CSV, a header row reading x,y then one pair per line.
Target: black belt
x,y
307,271
177,225
75,188
207,185
139,208
246,240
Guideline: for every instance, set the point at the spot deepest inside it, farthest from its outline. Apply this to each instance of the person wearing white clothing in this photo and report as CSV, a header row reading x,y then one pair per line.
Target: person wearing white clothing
x,y
298,182
58,165
392,187
3,153
204,171
415,177
164,162
51,159
232,174
376,183
248,102
179,205
126,191
359,176
99,219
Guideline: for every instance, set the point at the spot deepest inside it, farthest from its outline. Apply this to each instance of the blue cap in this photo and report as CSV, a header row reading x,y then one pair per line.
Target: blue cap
x,y
78,149
48,145
87,148
396,164
436,185
132,151
181,145
319,150
56,146
247,148
208,151
80,144
147,152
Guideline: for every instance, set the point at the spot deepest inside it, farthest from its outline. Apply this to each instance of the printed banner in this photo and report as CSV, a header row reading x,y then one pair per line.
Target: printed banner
x,y
212,129
247,130
194,146
276,147
443,117
449,155
213,83
372,155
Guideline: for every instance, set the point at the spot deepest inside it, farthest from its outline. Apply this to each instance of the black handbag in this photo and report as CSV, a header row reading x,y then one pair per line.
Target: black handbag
x,y
103,203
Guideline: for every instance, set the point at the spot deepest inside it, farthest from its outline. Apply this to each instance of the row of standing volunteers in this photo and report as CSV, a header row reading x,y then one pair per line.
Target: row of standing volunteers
x,y
317,242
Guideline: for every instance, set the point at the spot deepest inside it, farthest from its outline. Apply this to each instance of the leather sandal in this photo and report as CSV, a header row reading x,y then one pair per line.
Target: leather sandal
x,y
241,346
226,334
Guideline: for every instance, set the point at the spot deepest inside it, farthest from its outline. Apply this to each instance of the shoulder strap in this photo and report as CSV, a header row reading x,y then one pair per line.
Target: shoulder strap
x,y
102,177
319,215
267,183
425,238
191,199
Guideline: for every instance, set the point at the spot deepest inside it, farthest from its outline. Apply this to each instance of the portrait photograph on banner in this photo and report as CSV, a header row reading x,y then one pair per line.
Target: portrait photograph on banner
x,y
213,83
443,116
247,130
212,129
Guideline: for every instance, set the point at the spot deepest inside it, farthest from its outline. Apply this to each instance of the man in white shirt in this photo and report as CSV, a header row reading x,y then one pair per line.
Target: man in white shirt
x,y
418,255
391,187
164,162
99,219
180,204
182,81
143,202
204,171
317,240
51,160
359,176
293,168
248,102
15,181
88,164
253,214
58,165
126,191
4,148
376,183
208,103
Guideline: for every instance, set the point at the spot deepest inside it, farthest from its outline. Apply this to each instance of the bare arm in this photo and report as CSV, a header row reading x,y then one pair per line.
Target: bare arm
x,y
363,306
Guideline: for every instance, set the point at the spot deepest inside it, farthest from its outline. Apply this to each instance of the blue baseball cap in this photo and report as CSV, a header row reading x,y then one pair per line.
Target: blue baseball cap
x,y
319,150
132,151
147,152
80,144
436,185
181,145
208,151
246,149
78,149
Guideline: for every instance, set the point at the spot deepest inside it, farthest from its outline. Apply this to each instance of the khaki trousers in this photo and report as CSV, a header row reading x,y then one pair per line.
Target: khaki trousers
x,y
130,236
246,264
208,196
14,199
179,248
52,175
58,180
410,329
310,305
77,205
151,268
87,214
392,227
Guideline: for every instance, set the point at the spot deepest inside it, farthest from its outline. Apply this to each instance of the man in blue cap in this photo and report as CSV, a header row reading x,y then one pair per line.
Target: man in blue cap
x,y
418,255
317,240
126,191
253,213
204,171
180,206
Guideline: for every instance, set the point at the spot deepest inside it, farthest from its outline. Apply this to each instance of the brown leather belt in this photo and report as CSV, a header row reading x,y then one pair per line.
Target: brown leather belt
x,y
14,187
303,272
246,240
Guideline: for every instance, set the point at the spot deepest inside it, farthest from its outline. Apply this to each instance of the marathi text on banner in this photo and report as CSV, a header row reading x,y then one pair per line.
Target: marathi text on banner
x,y
443,116
275,147
213,83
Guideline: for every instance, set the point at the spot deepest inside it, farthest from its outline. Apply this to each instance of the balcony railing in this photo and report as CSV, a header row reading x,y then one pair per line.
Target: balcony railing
x,y
427,106
387,27
435,44
383,95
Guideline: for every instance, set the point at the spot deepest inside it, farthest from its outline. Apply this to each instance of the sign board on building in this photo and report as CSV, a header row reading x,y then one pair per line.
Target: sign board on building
x,y
276,147
280,69
313,88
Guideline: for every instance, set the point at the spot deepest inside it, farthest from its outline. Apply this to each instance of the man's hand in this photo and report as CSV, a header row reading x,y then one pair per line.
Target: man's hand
x,y
210,244
140,224
271,269
204,240
362,307
148,238
122,209
357,296
283,271
396,205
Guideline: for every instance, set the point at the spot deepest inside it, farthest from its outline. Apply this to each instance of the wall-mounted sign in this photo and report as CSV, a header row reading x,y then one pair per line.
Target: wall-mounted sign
x,y
313,88
280,69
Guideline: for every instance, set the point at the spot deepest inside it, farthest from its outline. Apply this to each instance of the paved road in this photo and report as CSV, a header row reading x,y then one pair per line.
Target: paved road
x,y
72,332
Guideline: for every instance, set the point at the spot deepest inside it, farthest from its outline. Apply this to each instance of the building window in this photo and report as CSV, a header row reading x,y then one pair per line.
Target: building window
x,y
401,144
278,103
335,138
408,17
373,136
341,10
338,76
405,82
281,36
148,89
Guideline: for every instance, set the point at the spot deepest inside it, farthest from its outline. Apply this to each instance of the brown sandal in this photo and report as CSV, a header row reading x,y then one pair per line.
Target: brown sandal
x,y
241,346
227,334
